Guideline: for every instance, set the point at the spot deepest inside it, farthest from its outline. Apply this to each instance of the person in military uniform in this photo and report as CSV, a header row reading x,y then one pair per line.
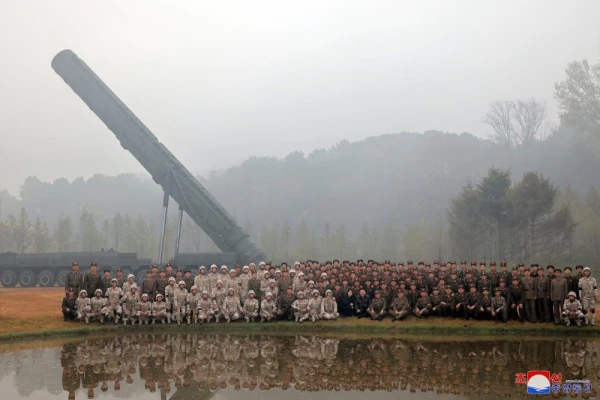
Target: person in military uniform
x,y
143,311
251,307
148,286
300,306
83,306
254,285
460,303
159,309
231,307
169,299
91,280
377,307
529,295
588,290
120,278
285,282
285,309
499,309
69,305
572,310
314,305
329,306
74,279
213,277
400,307
161,283
113,306
129,283
201,280
188,279
129,303
218,295
105,280
179,302
268,308
542,293
423,305
206,307
436,303
191,311
234,283
484,306
558,294
472,302
224,275
447,303
361,304
300,284
515,300
98,307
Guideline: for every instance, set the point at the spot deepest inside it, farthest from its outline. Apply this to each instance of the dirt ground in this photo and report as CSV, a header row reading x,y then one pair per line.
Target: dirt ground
x,y
34,309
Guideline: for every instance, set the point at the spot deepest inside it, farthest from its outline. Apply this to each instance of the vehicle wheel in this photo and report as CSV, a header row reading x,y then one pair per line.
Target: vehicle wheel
x,y
27,279
8,278
140,276
62,277
46,279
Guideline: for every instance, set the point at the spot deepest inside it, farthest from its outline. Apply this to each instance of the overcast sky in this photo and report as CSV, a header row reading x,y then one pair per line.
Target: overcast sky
x,y
220,81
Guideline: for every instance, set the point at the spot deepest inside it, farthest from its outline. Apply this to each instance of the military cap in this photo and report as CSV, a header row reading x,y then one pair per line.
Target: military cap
x,y
460,286
579,267
107,270
194,287
498,290
159,295
145,295
98,290
269,294
486,289
93,264
179,270
74,264
119,270
568,268
473,263
493,264
534,265
515,268
521,265
472,287
436,288
149,271
181,283
172,279
186,271
70,289
501,280
162,271
154,266
249,292
299,293
482,263
503,264
586,268
516,278
423,290
168,265
113,280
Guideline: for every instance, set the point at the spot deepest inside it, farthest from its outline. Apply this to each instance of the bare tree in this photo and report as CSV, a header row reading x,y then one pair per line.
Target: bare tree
x,y
499,117
517,122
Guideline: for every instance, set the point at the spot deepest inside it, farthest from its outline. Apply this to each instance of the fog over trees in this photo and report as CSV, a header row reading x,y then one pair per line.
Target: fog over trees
x,y
528,192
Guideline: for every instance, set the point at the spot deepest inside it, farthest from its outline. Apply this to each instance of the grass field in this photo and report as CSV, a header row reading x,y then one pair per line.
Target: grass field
x,y
36,312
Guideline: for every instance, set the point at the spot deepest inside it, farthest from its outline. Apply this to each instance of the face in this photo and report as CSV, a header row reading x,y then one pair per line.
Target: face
x,y
93,269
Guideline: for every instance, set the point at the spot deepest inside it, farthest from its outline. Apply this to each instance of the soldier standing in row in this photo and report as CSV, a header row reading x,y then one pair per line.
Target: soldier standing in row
x,y
120,278
105,280
558,294
161,283
73,279
530,295
91,280
587,293
149,285
542,288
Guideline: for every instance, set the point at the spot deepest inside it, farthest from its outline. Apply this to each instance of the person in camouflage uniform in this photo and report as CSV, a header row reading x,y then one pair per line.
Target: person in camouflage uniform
x,y
329,306
234,283
377,307
300,306
83,306
499,308
98,309
159,309
213,277
191,311
268,308
572,310
231,306
218,295
400,307
143,311
113,296
224,275
314,305
206,307
170,298
423,305
179,302
129,283
244,278
299,284
250,308
587,293
201,281
129,303
274,291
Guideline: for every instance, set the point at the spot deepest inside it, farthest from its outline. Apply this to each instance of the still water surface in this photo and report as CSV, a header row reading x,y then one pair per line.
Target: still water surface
x,y
194,366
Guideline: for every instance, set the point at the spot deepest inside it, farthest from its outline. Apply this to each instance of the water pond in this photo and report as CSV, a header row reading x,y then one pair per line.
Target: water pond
x,y
220,366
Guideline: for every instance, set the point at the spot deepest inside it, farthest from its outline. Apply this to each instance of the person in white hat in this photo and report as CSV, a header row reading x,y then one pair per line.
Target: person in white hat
x,y
299,284
98,307
231,306
224,275
170,298
213,277
113,307
314,305
179,302
300,306
234,283
588,290
268,308
201,280
191,310
572,310
159,309
250,308
206,307
244,278
129,303
144,310
218,295
329,306
130,282
83,306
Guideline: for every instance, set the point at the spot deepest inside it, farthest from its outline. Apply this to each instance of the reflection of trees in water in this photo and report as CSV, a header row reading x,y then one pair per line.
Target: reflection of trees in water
x,y
33,371
189,367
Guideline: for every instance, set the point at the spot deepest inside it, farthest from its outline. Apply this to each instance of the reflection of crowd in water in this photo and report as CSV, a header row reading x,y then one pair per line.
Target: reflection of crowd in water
x,y
311,363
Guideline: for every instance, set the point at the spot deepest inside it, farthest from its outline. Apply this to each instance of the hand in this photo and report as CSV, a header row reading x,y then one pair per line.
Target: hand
x,y
481,309
68,309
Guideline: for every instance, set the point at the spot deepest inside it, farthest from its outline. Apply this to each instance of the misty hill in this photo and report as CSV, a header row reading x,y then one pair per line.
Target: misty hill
x,y
397,178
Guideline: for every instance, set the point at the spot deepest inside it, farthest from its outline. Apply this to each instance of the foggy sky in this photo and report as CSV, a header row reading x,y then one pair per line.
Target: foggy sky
x,y
218,82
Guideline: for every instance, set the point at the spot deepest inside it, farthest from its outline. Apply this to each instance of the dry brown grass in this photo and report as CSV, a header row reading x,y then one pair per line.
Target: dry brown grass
x,y
26,310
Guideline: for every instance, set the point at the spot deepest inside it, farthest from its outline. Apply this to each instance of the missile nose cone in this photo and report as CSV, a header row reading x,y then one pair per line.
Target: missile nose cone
x,y
63,55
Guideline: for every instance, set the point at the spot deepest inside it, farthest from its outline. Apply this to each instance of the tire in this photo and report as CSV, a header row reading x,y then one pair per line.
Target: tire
x,y
46,279
27,279
61,278
140,276
8,278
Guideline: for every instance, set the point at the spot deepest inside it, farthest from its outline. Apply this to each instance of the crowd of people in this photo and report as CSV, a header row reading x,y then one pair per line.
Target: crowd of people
x,y
311,291
194,363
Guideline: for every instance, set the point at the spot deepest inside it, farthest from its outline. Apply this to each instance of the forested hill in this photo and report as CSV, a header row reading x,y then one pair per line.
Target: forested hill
x,y
398,178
